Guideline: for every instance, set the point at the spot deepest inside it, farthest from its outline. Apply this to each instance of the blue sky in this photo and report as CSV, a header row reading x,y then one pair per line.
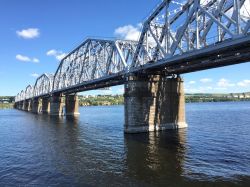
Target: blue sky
x,y
35,34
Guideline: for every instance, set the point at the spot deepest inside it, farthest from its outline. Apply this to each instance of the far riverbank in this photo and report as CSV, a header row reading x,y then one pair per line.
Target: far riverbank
x,y
108,100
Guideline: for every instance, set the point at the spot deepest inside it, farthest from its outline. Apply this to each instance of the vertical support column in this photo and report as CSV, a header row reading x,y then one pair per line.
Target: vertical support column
x,y
23,105
20,105
28,105
45,105
170,109
56,105
36,106
154,103
140,101
72,105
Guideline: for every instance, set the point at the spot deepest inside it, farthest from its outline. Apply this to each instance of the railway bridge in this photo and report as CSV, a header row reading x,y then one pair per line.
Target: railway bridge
x,y
178,37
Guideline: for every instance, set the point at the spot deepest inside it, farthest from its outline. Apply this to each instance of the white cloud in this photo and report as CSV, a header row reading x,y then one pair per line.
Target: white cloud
x,y
206,80
23,58
28,33
199,90
128,32
34,75
26,59
244,83
59,55
220,88
224,83
35,60
191,82
51,52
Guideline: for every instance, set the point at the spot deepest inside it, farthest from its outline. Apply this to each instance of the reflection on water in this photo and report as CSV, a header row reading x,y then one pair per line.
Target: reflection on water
x,y
159,156
92,149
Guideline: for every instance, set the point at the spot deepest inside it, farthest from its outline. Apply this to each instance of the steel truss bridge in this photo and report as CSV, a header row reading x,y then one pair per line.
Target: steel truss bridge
x,y
178,37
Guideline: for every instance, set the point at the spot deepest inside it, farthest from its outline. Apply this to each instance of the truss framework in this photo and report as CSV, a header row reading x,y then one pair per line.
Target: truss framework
x,y
43,85
92,60
195,24
173,30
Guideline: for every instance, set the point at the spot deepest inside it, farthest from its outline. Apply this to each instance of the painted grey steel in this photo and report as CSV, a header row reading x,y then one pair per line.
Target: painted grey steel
x,y
178,37
43,85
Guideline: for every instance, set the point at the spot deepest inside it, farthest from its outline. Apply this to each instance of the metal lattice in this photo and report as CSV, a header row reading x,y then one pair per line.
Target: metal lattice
x,y
176,32
92,60
43,85
193,25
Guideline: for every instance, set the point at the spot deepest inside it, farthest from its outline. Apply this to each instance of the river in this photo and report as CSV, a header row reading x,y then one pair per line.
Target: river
x,y
92,150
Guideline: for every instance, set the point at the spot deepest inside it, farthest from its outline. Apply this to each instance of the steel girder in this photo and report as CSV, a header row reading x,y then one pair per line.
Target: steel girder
x,y
28,92
20,96
92,60
43,85
176,33
175,28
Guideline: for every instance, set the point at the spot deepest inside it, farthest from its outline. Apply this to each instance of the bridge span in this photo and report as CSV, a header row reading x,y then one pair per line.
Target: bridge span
x,y
178,37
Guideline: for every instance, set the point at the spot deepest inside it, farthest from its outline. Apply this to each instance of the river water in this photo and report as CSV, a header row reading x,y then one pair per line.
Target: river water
x,y
92,150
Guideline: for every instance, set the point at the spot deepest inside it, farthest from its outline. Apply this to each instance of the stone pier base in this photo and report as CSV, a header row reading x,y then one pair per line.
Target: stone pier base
x,y
71,105
56,105
23,105
18,105
45,105
36,106
28,105
153,103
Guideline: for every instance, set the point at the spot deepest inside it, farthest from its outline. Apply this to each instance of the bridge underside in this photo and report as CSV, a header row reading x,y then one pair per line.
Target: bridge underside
x,y
224,54
152,103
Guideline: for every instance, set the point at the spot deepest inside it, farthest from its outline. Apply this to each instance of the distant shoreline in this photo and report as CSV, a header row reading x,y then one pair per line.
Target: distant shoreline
x,y
101,102
217,101
6,105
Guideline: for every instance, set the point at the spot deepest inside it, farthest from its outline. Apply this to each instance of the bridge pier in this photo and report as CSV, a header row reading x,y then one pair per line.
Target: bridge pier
x,y
154,103
45,105
23,105
20,105
56,105
28,105
16,105
36,105
71,105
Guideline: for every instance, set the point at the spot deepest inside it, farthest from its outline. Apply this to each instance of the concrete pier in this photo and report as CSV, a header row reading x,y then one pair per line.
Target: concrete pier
x,y
36,105
170,110
153,103
23,105
71,105
27,105
56,105
45,105
18,105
